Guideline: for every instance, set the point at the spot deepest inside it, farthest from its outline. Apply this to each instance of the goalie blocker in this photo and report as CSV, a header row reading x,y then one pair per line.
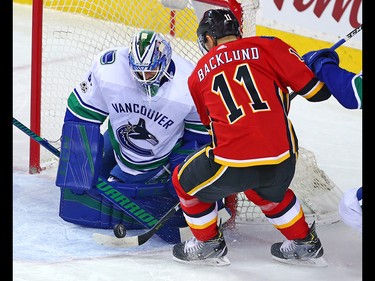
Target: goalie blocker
x,y
83,204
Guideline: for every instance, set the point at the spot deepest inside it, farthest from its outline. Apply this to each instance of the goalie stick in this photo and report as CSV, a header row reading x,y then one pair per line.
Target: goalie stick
x,y
103,186
351,34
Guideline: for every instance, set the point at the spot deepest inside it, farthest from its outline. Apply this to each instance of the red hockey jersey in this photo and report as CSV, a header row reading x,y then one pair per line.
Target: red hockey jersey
x,y
241,92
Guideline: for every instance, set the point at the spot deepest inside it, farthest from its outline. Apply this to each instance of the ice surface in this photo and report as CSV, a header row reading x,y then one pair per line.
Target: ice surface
x,y
47,248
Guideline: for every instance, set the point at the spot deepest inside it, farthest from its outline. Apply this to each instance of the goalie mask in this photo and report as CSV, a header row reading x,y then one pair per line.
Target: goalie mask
x,y
149,59
217,23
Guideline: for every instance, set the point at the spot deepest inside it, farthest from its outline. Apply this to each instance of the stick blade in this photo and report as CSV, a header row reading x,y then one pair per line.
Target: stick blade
x,y
110,241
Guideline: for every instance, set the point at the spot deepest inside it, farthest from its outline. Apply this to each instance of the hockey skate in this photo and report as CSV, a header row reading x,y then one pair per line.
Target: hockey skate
x,y
211,252
307,251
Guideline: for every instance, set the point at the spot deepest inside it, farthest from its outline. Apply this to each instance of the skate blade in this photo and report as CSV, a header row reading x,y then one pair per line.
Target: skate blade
x,y
222,261
313,262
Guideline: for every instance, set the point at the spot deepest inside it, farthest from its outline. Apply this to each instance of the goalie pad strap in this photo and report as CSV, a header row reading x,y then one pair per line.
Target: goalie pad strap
x,y
80,157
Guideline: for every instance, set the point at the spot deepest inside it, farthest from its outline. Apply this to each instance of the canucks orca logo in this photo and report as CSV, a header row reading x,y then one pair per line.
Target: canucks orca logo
x,y
137,132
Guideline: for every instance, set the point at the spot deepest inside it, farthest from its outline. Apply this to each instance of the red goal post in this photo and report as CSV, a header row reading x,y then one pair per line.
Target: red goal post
x,y
67,34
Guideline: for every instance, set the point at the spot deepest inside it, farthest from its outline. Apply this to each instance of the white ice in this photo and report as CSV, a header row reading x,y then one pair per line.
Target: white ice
x,y
47,248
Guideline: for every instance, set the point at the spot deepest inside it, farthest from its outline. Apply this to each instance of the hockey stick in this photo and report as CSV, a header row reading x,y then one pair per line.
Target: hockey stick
x,y
347,37
35,137
335,46
112,194
135,240
185,232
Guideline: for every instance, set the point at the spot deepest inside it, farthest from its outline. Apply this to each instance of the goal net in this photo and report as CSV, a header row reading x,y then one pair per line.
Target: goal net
x,y
67,34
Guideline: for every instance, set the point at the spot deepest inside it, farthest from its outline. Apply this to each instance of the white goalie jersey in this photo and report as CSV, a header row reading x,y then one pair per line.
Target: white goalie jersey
x,y
145,128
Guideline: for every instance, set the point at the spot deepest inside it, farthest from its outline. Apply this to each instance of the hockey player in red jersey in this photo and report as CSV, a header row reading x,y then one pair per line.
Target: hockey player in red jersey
x,y
240,88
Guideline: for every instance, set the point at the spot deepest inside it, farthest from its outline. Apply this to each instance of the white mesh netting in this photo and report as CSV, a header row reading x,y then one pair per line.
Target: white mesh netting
x,y
75,31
